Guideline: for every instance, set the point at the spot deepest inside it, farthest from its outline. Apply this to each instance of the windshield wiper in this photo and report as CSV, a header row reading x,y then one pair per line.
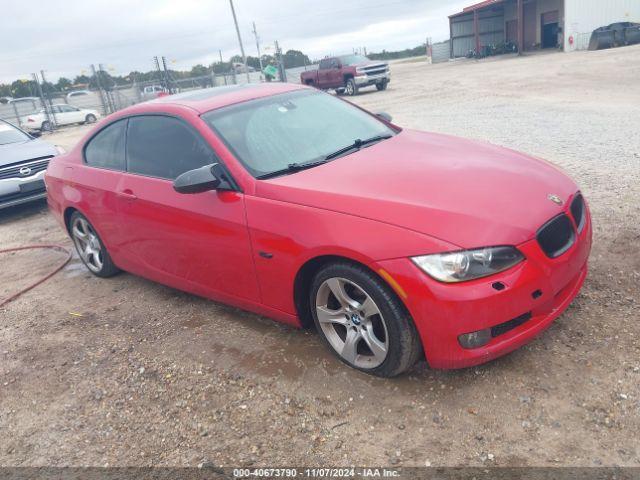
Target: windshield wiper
x,y
296,167
357,145
293,167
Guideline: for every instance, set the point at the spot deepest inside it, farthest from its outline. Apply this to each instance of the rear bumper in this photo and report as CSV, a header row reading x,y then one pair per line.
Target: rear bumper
x,y
538,290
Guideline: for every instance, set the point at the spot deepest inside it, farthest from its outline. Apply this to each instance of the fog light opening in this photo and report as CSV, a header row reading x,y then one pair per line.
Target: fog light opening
x,y
475,339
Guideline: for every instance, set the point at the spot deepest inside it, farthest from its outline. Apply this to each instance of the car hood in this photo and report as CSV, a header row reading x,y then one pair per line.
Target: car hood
x,y
467,193
31,149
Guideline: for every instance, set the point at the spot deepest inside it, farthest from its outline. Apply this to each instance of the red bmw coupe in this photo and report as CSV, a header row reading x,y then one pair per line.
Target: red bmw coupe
x,y
297,205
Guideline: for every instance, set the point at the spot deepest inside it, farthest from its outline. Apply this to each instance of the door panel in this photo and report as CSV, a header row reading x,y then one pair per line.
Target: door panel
x,y
201,239
335,74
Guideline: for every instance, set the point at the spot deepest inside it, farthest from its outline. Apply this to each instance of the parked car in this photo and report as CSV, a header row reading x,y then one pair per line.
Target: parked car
x,y
78,93
239,68
348,74
5,100
23,161
62,114
295,204
25,99
153,91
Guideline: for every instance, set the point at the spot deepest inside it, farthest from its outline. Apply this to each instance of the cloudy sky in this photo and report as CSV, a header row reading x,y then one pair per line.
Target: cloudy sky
x,y
63,37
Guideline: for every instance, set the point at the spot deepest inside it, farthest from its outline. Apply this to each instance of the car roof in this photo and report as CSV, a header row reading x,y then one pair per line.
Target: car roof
x,y
208,99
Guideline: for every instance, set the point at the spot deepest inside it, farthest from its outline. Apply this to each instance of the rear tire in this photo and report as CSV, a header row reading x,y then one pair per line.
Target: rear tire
x,y
46,126
339,91
364,324
351,88
90,248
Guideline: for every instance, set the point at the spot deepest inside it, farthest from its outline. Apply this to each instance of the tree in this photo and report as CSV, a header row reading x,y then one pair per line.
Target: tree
x,y
24,88
63,84
200,71
295,58
81,80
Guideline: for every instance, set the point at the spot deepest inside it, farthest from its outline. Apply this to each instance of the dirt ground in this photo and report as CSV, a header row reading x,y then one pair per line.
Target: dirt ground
x,y
128,372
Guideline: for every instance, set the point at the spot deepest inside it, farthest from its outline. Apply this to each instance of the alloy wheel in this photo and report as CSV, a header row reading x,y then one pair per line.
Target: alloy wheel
x,y
352,323
349,88
88,244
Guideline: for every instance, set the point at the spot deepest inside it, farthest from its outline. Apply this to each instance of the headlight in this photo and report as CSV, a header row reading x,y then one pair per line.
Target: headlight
x,y
453,267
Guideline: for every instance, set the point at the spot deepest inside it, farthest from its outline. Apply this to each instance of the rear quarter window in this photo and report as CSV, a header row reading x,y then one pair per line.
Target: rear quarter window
x,y
106,149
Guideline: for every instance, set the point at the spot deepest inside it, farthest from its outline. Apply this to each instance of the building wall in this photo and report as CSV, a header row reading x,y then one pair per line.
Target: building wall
x,y
583,16
542,6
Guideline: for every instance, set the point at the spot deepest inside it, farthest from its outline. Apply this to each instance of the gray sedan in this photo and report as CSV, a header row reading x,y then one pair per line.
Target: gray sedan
x,y
23,161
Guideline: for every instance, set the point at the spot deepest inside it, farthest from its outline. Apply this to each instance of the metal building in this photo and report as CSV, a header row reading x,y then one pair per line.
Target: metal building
x,y
535,24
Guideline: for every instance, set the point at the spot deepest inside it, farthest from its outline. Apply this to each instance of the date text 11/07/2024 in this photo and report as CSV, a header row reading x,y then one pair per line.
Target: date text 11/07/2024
x,y
316,472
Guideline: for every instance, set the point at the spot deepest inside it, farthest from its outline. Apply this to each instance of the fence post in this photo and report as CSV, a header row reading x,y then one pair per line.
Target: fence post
x,y
15,110
105,110
42,100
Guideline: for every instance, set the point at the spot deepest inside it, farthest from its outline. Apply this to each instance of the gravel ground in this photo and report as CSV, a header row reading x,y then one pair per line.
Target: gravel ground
x,y
127,372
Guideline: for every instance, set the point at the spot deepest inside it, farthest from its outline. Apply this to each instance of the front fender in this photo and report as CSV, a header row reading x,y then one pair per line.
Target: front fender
x,y
285,236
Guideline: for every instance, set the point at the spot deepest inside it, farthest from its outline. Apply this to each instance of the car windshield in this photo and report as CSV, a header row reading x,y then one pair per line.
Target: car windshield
x,y
292,129
353,59
10,134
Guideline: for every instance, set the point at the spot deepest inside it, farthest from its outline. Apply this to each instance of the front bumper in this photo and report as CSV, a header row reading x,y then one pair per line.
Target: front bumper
x,y
538,289
366,80
16,191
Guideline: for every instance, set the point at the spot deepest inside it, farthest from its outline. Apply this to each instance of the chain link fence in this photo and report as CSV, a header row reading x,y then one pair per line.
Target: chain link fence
x,y
49,104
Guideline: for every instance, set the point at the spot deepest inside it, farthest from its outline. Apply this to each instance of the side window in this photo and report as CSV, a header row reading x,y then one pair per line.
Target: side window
x,y
106,149
324,64
164,147
334,63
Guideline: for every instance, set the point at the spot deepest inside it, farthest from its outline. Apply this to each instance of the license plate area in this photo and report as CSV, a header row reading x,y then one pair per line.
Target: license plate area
x,y
35,186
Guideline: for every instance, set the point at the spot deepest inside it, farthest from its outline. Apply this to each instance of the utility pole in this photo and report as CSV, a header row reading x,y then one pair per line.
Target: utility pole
x,y
255,33
167,77
244,57
281,69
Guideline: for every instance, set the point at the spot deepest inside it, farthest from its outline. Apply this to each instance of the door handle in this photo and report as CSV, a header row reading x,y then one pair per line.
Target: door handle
x,y
128,194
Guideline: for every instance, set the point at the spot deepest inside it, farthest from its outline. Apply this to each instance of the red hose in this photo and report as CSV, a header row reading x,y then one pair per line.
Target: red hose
x,y
59,248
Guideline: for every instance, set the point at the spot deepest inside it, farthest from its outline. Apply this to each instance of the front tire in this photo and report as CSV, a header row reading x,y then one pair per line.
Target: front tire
x,y
382,85
362,321
90,118
351,88
90,248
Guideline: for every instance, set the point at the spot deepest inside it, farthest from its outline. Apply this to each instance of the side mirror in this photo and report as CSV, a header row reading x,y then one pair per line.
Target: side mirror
x,y
197,181
384,116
